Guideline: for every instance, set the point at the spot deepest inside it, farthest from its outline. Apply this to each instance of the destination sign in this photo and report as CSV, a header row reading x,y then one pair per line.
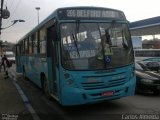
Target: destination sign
x,y
80,13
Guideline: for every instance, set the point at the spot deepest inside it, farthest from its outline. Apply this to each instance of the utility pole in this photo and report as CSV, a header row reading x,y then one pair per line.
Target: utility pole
x,y
2,1
4,14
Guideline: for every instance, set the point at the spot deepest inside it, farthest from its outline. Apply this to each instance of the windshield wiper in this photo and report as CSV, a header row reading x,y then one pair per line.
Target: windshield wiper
x,y
124,44
75,43
75,37
103,51
108,39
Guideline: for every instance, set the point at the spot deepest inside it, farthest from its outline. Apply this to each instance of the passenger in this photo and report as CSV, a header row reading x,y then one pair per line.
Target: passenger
x,y
6,64
106,42
2,62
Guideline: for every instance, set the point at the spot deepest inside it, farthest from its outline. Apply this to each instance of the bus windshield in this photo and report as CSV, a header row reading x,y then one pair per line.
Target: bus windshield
x,y
92,46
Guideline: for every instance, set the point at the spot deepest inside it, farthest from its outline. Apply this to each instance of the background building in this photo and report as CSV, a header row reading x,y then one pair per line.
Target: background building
x,y
6,46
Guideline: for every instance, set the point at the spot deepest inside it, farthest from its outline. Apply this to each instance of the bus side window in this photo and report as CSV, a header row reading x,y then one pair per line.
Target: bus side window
x,y
35,43
20,48
30,45
26,46
32,38
42,41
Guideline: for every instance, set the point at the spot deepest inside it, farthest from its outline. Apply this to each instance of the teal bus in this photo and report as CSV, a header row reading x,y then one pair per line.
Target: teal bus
x,y
79,55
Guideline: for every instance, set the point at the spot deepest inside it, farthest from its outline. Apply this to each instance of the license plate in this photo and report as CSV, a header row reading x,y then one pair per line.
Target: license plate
x,y
108,93
158,87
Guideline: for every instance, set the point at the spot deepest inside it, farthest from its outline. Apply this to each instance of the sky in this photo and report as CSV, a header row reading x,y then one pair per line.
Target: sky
x,y
25,9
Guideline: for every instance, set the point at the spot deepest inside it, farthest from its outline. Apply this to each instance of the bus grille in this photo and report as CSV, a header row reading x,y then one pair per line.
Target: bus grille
x,y
101,85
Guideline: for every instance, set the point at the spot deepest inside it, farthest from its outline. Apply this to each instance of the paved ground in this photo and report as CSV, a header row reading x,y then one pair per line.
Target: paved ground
x,y
128,108
144,104
10,101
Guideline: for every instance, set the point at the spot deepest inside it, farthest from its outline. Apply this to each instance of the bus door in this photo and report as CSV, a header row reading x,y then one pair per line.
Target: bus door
x,y
52,45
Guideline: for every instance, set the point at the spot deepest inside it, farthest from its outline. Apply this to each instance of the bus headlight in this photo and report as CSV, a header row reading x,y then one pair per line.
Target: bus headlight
x,y
148,81
69,79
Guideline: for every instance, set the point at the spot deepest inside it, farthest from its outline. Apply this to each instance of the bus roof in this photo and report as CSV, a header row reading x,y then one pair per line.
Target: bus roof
x,y
82,12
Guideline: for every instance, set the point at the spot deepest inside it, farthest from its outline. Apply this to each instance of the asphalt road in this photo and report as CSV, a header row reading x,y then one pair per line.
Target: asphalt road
x,y
125,108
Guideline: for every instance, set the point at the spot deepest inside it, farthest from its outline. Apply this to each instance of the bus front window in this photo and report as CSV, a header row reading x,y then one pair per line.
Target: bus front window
x,y
91,46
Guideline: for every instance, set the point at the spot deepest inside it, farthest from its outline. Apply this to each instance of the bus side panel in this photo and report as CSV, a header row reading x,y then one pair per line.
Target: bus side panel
x,y
34,66
19,67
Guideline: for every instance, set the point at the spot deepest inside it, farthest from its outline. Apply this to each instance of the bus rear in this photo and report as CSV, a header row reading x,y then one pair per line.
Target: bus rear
x,y
96,55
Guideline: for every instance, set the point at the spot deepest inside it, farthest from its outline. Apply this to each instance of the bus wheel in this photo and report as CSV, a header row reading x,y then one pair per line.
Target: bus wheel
x,y
45,86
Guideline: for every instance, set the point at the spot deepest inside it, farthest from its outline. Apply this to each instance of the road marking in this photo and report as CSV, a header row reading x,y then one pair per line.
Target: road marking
x,y
24,97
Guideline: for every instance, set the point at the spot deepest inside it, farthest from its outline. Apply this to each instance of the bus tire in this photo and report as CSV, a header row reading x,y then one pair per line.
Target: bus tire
x,y
45,86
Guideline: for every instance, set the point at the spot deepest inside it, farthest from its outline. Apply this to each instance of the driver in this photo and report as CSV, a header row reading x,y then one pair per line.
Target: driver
x,y
106,42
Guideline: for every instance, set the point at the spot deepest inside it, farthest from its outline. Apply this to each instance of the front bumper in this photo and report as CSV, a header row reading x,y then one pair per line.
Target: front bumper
x,y
76,96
